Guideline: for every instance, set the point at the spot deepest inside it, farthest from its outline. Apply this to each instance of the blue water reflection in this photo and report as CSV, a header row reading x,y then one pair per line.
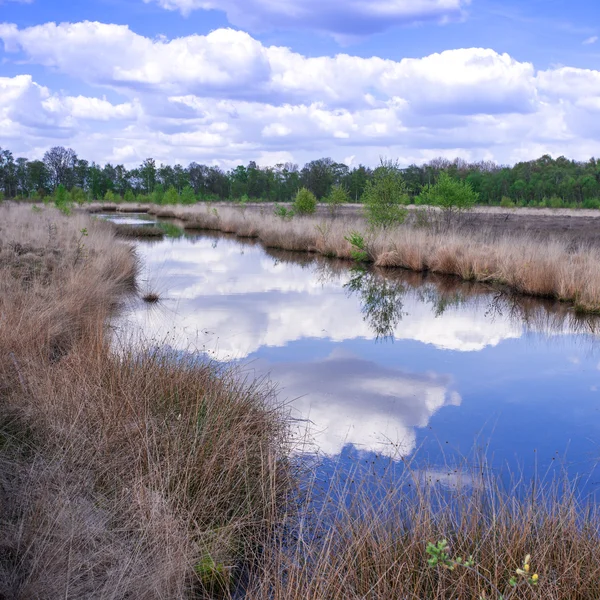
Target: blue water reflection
x,y
379,365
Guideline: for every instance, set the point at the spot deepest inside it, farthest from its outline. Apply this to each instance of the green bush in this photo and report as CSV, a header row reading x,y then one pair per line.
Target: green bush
x,y
337,198
506,202
129,196
284,213
384,196
61,200
305,202
110,196
158,194
187,195
591,203
171,197
451,195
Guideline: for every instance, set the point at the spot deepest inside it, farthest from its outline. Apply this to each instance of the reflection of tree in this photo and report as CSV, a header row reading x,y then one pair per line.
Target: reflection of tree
x,y
440,300
381,300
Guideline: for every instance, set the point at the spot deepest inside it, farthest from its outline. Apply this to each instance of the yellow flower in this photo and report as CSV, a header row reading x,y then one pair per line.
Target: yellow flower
x,y
534,578
526,567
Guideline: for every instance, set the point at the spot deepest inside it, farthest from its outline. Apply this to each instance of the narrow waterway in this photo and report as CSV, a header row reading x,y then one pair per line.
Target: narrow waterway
x,y
384,366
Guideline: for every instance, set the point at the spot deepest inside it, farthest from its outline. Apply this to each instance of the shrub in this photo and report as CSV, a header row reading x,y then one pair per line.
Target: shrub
x,y
129,196
591,203
284,213
187,195
384,196
171,197
451,195
110,196
336,199
305,202
61,200
158,194
506,202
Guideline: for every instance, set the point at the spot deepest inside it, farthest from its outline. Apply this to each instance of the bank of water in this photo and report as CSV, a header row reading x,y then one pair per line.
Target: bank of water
x,y
381,367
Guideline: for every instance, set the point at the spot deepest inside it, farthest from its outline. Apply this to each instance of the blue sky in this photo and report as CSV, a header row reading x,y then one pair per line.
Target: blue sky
x,y
292,80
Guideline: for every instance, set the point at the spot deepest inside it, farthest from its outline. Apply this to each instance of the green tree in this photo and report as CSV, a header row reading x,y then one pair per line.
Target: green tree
x,y
158,195
384,196
171,196
187,195
305,202
61,199
129,196
452,196
337,198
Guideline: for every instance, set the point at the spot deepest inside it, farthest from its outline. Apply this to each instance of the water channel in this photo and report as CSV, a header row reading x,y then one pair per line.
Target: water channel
x,y
384,366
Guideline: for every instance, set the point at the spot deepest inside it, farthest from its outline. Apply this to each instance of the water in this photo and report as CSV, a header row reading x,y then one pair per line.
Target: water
x,y
381,367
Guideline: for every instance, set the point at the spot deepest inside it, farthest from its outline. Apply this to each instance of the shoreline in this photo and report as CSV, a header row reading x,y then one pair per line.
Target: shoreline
x,y
561,268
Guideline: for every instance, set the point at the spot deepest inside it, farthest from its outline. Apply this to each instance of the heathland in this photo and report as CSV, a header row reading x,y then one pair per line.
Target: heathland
x,y
138,473
550,259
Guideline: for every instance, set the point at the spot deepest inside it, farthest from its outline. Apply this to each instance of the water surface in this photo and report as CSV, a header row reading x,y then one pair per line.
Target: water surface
x,y
385,365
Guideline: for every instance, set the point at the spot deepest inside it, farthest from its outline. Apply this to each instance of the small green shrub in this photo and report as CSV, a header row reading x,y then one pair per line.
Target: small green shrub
x,y
158,194
336,199
109,196
305,202
129,196
359,251
451,195
385,195
506,202
171,196
187,195
591,203
61,200
284,213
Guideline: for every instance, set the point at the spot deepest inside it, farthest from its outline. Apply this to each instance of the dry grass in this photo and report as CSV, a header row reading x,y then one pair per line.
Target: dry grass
x,y
370,542
146,475
546,268
139,231
119,473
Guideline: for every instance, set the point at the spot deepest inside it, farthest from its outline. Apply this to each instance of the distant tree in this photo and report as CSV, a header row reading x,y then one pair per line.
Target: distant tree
x,y
384,196
158,195
187,195
305,202
129,196
171,196
452,196
60,163
336,199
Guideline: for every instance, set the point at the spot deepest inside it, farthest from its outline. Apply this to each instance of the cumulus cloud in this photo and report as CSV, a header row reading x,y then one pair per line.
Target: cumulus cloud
x,y
348,18
226,98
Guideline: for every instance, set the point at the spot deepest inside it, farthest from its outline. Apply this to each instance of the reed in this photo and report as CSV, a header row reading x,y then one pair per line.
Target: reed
x,y
530,265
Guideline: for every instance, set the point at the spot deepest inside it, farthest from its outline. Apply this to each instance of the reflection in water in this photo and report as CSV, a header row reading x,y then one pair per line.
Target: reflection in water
x,y
517,369
380,300
346,399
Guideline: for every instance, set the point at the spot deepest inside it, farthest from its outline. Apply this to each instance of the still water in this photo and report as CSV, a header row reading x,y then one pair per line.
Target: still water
x,y
390,364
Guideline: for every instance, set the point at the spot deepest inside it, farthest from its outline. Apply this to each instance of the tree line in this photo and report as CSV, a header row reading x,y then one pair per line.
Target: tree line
x,y
542,182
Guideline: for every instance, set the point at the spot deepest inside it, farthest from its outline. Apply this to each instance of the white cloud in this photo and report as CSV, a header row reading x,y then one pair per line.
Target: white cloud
x,y
348,18
590,40
227,98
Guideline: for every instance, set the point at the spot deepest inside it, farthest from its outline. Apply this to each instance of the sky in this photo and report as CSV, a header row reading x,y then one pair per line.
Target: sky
x,y
229,81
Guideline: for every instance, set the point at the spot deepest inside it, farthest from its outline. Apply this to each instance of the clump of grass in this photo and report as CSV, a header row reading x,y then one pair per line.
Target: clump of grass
x,y
151,297
140,231
368,537
120,471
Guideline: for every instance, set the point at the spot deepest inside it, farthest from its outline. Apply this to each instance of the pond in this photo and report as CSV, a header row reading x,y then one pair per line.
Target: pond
x,y
380,367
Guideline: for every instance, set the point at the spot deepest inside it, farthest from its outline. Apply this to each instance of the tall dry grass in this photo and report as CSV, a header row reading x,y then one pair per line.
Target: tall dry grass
x,y
122,475
533,266
368,541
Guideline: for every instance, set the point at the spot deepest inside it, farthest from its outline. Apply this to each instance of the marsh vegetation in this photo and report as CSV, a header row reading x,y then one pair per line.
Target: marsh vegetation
x,y
152,473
